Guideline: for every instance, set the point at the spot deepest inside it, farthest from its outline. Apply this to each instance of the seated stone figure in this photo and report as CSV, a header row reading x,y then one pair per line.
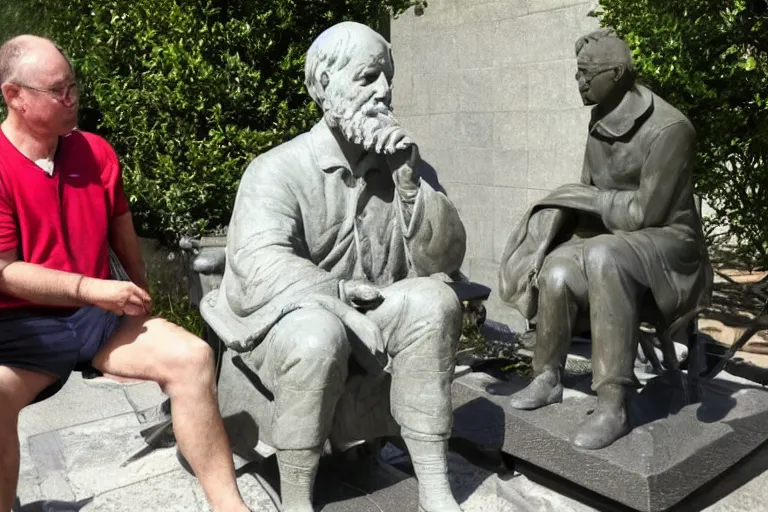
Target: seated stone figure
x,y
334,291
622,247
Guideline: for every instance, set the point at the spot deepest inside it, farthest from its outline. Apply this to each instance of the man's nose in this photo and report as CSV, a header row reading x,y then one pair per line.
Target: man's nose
x,y
383,89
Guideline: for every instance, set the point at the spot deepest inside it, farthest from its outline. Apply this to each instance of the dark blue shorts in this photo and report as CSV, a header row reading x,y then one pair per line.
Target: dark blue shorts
x,y
55,343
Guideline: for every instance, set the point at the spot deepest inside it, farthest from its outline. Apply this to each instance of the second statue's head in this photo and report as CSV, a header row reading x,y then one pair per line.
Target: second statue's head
x,y
605,69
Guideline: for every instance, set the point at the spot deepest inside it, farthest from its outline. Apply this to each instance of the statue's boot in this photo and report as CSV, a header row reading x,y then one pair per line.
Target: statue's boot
x,y
297,478
609,422
545,389
430,463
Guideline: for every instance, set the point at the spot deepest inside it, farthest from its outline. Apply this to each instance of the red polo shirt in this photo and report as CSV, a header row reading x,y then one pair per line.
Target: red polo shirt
x,y
60,221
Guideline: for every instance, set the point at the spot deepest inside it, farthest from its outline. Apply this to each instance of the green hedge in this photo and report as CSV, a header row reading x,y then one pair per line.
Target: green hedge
x,y
189,91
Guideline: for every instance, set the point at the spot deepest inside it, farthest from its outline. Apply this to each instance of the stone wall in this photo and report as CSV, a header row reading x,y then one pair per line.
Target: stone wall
x,y
487,88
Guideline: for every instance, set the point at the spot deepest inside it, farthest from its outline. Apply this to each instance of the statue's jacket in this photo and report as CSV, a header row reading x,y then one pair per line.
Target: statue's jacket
x,y
636,184
302,222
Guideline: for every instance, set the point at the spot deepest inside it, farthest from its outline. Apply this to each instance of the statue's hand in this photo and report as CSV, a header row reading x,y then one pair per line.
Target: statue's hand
x,y
403,164
443,277
396,140
360,294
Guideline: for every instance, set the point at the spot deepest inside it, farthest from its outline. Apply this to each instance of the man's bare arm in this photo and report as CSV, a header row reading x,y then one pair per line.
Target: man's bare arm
x,y
125,244
49,287
38,284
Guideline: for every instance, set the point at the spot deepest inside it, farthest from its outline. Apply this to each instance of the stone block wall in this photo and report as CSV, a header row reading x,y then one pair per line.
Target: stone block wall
x,y
487,89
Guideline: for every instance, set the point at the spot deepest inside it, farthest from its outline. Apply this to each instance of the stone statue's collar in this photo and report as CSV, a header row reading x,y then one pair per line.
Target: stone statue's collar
x,y
328,153
617,123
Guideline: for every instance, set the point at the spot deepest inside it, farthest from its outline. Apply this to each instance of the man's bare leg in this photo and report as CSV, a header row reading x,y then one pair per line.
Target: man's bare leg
x,y
183,366
17,390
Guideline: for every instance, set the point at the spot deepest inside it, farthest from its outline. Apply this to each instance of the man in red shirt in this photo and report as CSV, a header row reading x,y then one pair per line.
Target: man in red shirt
x,y
61,208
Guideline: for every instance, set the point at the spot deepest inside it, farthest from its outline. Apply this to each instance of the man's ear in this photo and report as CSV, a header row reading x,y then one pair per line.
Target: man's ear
x,y
618,72
324,80
11,95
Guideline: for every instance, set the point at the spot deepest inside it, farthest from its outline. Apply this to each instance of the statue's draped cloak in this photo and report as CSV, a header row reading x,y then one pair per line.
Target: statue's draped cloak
x,y
302,222
637,185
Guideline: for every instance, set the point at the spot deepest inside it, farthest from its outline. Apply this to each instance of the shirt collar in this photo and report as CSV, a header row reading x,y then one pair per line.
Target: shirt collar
x,y
328,153
635,105
43,164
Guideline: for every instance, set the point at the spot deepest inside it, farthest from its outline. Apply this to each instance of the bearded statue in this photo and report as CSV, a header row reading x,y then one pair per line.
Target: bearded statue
x,y
334,295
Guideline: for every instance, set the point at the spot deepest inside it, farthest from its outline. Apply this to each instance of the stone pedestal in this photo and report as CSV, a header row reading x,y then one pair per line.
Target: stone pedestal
x,y
673,450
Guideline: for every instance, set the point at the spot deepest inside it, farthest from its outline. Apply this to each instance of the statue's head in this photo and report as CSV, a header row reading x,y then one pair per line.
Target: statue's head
x,y
605,68
349,72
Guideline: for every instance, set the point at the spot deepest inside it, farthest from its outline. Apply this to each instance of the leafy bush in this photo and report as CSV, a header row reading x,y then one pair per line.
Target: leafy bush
x,y
710,59
18,17
188,92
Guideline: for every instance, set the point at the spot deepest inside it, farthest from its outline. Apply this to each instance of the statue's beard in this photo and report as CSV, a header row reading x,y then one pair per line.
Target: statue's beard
x,y
372,126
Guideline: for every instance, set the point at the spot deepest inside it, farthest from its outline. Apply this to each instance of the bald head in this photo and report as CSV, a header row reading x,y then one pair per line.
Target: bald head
x,y
335,48
22,52
38,86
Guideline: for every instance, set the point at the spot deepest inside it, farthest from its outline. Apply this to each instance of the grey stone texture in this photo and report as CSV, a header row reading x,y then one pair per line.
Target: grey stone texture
x,y
488,90
81,456
73,447
673,450
76,461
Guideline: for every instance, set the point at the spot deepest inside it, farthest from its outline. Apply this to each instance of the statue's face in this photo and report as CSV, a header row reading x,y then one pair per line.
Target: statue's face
x,y
596,83
358,97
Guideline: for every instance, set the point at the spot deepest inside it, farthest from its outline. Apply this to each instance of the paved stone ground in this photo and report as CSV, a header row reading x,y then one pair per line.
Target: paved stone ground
x,y
74,444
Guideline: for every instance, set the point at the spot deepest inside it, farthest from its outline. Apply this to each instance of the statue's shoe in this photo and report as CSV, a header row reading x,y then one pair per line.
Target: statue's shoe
x,y
538,393
602,428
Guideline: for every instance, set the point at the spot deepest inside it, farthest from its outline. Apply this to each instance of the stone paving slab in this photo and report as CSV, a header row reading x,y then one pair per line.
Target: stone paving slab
x,y
144,395
76,404
519,493
93,455
79,461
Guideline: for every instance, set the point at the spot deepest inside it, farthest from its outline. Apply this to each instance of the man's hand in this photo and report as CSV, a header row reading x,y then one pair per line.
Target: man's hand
x,y
396,139
360,294
403,164
120,297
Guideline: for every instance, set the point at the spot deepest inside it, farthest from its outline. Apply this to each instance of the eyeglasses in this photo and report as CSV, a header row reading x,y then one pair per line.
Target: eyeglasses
x,y
61,94
590,74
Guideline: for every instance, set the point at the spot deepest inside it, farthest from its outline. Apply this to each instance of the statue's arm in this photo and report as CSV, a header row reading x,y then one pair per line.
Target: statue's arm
x,y
266,252
586,175
669,161
433,230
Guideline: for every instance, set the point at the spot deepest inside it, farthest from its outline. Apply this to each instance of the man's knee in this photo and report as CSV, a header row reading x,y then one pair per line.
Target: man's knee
x,y
601,254
188,360
432,297
554,279
312,336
